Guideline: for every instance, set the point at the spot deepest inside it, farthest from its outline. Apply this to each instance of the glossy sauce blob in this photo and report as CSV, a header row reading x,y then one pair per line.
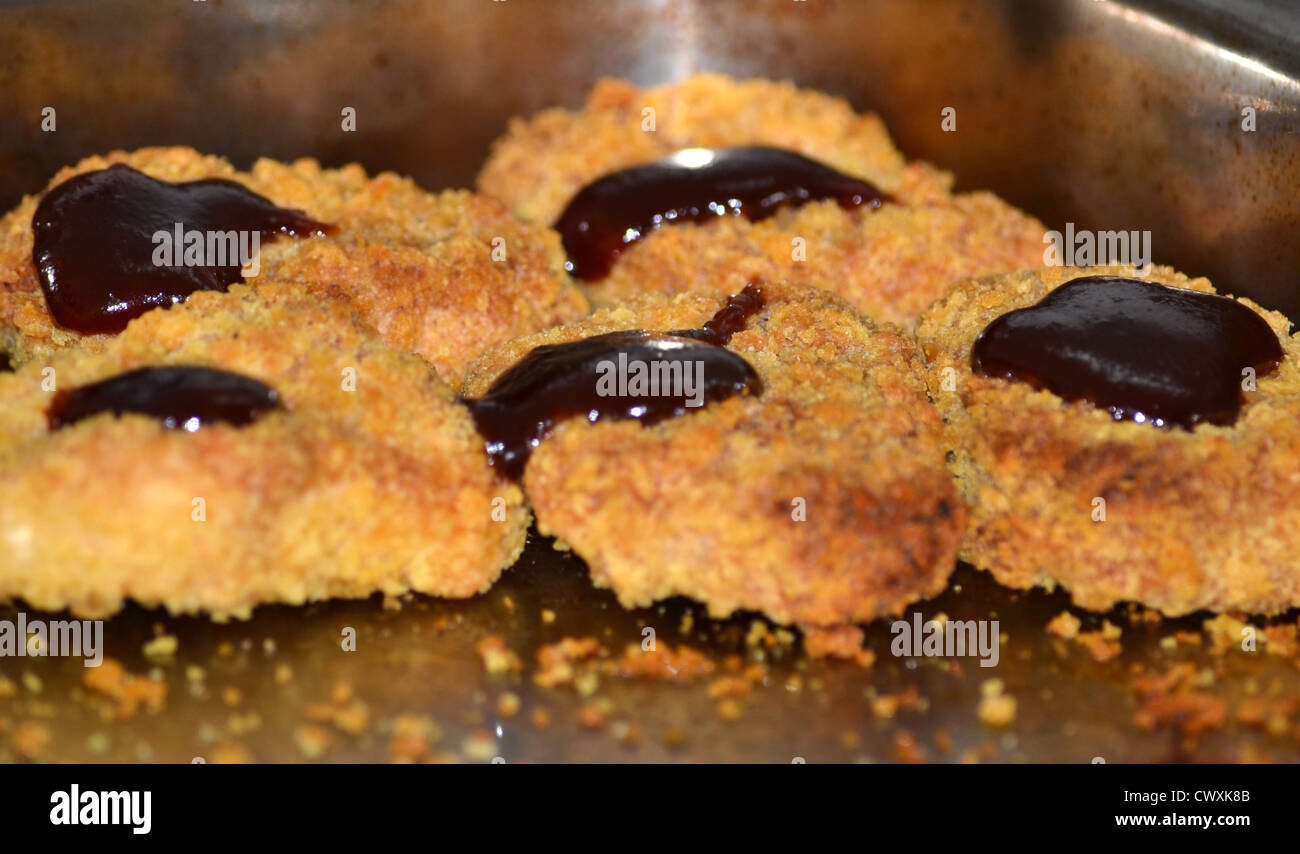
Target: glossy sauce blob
x,y
94,242
1143,351
559,381
694,185
182,398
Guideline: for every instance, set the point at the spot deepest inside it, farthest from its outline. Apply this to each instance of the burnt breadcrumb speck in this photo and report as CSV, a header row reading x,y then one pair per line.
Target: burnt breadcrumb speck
x,y
1193,519
341,494
702,505
418,266
889,263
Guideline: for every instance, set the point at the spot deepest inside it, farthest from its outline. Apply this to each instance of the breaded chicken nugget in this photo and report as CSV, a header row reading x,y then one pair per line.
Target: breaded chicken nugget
x,y
890,262
444,275
820,501
368,477
1065,494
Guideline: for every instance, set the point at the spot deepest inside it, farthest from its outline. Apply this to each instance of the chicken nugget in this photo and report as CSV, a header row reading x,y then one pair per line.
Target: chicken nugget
x,y
888,261
443,275
819,498
1126,437
313,461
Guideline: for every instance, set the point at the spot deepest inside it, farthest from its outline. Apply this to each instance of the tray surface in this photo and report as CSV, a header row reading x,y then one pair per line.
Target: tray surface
x,y
1118,115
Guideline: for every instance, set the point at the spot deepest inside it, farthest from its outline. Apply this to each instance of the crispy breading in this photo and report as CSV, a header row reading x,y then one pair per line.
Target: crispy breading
x,y
890,263
543,161
383,486
821,501
418,266
1192,520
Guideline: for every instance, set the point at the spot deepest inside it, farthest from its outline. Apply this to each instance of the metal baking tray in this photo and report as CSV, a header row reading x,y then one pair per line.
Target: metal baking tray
x,y
1105,114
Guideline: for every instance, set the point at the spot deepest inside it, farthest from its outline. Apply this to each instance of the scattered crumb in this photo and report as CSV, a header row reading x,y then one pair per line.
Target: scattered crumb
x,y
497,657
996,708
591,716
556,661
737,686
837,642
230,753
625,733
1176,700
30,740
97,744
1225,633
312,740
888,705
1102,644
239,725
687,624
346,714
413,738
907,750
479,747
508,704
161,648
681,665
1064,625
131,692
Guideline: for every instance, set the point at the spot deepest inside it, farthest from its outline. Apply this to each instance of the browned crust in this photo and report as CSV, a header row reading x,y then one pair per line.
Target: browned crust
x,y
890,264
702,505
418,266
384,488
1201,519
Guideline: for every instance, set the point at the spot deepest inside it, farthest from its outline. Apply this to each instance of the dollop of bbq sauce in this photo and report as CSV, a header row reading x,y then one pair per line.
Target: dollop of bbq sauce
x,y
1143,351
182,398
694,185
586,377
94,244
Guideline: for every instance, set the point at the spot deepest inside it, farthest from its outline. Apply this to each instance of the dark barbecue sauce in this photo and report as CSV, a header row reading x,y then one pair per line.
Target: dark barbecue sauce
x,y
694,185
1143,351
594,378
94,243
182,398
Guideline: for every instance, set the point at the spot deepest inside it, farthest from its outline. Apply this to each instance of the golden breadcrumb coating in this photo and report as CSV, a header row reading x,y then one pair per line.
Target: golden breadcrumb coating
x,y
710,504
889,263
543,161
343,493
417,266
1200,519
